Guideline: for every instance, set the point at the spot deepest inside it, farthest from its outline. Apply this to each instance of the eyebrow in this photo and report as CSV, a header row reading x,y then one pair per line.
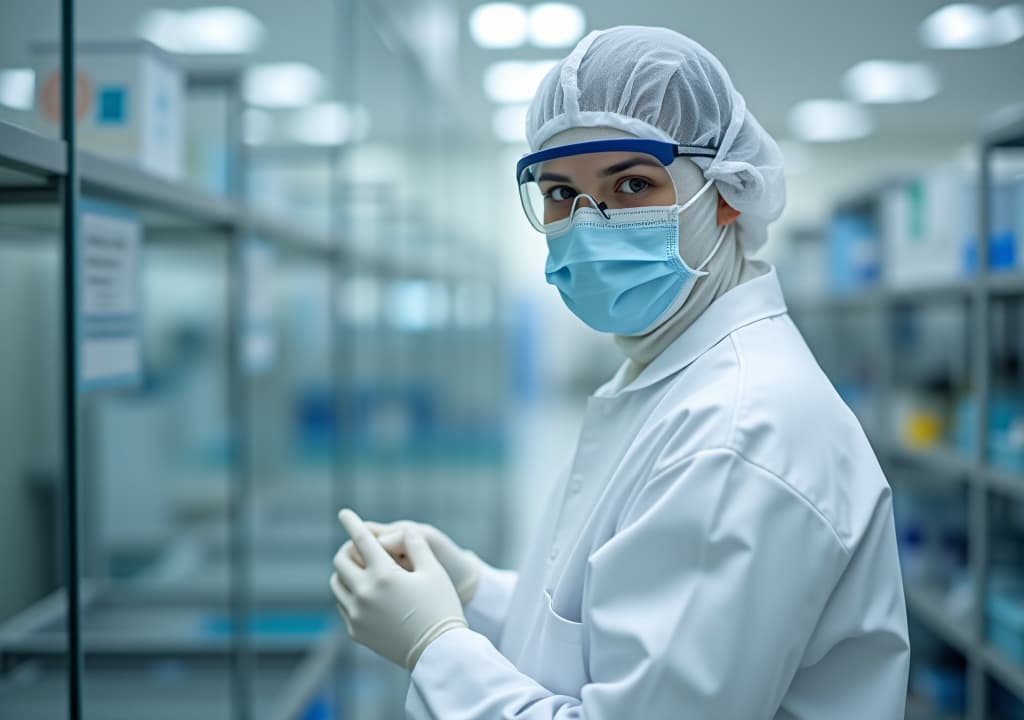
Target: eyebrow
x,y
608,171
627,164
554,177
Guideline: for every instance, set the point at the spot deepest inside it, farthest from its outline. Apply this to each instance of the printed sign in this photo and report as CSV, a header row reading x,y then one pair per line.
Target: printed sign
x,y
109,240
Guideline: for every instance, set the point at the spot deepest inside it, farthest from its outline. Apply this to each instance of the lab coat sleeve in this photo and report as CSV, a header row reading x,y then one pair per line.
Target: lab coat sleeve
x,y
486,612
699,606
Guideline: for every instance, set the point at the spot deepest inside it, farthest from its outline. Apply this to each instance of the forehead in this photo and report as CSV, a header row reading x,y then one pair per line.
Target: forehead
x,y
594,164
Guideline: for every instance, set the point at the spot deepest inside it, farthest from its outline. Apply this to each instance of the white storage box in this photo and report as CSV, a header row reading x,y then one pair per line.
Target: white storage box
x,y
130,102
925,226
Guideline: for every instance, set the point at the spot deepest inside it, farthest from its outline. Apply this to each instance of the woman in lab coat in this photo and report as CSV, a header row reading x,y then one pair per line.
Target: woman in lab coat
x,y
722,546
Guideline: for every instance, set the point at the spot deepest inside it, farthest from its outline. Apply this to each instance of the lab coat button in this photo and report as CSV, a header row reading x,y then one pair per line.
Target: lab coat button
x,y
554,553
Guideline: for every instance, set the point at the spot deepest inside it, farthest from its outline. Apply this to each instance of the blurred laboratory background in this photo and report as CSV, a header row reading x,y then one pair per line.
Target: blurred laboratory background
x,y
272,263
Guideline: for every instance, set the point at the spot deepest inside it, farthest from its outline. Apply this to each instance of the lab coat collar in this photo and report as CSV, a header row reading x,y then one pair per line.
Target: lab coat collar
x,y
754,300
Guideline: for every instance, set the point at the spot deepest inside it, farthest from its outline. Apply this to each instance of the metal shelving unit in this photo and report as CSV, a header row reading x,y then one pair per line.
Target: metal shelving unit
x,y
981,481
40,181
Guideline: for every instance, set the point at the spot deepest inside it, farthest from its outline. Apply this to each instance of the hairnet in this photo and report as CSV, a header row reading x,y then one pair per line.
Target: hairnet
x,y
656,83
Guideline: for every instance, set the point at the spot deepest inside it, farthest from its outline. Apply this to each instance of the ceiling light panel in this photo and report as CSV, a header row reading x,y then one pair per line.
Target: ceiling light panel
x,y
222,29
556,25
17,88
515,81
884,81
212,30
330,123
965,26
1007,24
829,121
499,25
282,85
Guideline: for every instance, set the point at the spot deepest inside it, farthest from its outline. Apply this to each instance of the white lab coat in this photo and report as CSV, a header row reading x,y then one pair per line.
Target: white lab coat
x,y
722,548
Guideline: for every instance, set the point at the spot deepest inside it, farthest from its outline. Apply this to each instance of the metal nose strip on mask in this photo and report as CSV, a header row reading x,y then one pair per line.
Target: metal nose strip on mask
x,y
599,206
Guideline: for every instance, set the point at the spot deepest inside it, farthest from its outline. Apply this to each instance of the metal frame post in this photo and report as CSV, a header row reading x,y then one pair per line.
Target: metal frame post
x,y
72,529
978,499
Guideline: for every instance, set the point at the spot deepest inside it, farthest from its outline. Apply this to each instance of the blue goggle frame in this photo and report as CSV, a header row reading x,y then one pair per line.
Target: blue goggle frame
x,y
664,152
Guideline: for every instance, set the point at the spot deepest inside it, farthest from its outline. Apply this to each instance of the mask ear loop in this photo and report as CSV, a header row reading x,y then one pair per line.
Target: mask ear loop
x,y
721,237
721,234
696,197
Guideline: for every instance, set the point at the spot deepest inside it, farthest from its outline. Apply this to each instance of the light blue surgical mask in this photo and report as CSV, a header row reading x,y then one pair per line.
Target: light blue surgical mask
x,y
620,271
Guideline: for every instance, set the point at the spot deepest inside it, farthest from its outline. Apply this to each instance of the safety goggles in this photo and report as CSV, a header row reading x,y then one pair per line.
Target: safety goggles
x,y
609,174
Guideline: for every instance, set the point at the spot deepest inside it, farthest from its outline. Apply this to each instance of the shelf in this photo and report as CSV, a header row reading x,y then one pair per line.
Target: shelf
x,y
926,604
168,204
861,301
1010,134
124,620
996,284
1006,283
942,462
28,155
948,464
1006,671
1002,482
169,210
960,289
289,234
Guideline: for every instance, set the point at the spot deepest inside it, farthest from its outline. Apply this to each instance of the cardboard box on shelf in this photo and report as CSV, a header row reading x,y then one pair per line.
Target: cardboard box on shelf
x,y
130,103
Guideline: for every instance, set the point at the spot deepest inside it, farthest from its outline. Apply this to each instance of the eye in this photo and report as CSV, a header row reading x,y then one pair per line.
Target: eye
x,y
634,185
560,193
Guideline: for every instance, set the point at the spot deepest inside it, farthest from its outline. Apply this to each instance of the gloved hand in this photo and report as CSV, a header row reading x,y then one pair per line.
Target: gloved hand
x,y
462,566
395,612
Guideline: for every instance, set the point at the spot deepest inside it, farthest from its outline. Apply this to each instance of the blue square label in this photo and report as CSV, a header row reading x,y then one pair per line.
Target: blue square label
x,y
112,105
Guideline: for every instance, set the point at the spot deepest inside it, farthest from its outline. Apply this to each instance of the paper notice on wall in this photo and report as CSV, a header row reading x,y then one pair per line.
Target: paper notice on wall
x,y
109,240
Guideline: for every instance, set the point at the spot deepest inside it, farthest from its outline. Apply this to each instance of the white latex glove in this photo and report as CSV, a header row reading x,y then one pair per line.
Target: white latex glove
x,y
395,612
462,566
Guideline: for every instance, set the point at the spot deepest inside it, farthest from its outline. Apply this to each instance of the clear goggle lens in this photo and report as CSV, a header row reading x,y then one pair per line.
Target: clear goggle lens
x,y
552,191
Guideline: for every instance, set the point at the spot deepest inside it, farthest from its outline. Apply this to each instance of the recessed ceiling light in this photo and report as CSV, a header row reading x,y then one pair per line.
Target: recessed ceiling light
x,y
209,30
17,88
162,27
509,123
328,123
1007,24
222,29
969,26
498,25
829,121
515,81
884,81
282,85
554,25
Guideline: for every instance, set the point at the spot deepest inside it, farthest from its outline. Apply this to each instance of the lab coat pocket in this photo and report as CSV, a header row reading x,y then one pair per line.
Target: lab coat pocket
x,y
561,659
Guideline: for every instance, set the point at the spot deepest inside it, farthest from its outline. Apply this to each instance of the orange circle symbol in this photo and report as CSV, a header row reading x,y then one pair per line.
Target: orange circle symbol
x,y
50,96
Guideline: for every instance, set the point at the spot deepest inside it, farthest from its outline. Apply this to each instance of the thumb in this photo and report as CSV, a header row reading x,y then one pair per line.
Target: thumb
x,y
418,550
